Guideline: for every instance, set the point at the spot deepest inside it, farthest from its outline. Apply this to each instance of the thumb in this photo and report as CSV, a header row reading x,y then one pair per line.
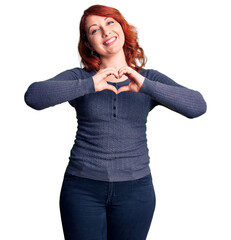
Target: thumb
x,y
112,88
123,89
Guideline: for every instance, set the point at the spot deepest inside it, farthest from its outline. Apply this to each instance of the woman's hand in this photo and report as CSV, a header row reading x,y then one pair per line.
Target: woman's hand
x,y
100,79
136,79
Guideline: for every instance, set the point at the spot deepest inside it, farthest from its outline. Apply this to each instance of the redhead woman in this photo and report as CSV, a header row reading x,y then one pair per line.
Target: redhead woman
x,y
107,191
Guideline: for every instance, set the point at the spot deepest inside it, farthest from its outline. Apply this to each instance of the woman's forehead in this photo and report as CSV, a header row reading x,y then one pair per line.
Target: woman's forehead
x,y
94,19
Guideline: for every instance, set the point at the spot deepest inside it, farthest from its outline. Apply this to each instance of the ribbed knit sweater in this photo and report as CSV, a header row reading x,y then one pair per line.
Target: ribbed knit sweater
x,y
110,142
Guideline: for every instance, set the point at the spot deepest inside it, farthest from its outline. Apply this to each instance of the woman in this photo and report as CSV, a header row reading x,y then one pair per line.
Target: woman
x,y
107,190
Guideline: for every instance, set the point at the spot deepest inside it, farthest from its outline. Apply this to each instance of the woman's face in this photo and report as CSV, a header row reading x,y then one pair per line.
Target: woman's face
x,y
105,35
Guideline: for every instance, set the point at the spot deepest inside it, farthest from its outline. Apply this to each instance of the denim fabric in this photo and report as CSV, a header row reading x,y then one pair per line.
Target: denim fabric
x,y
101,210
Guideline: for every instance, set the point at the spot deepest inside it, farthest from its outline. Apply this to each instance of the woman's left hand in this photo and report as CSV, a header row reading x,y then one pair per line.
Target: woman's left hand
x,y
136,79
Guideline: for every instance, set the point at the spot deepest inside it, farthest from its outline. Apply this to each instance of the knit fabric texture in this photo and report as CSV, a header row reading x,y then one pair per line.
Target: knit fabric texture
x,y
110,142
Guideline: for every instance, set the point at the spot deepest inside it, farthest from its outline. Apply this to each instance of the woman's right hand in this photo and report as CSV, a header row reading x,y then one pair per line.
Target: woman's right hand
x,y
100,79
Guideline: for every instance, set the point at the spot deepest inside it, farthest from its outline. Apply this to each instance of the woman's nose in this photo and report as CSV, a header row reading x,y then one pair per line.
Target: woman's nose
x,y
106,32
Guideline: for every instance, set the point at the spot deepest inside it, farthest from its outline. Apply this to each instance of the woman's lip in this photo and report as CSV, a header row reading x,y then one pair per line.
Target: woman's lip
x,y
110,42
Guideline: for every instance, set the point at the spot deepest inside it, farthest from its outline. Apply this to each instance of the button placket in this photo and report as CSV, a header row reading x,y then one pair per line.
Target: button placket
x,y
114,107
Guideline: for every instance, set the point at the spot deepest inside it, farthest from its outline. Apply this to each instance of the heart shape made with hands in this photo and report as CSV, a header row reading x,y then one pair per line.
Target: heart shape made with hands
x,y
136,79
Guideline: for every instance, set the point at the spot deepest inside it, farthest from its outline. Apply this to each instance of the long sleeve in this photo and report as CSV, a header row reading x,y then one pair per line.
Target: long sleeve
x,y
65,86
172,95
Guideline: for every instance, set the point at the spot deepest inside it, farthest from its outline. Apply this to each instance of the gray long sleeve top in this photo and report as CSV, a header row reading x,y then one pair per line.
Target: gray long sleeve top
x,y
110,142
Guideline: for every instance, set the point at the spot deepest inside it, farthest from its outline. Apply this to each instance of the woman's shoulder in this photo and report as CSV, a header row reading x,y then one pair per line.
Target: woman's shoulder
x,y
148,72
158,76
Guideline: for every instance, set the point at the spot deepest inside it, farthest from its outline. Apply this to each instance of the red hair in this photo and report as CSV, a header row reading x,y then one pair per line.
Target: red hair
x,y
131,48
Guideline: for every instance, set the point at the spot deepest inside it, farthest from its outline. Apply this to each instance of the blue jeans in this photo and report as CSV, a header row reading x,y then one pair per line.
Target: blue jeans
x,y
100,210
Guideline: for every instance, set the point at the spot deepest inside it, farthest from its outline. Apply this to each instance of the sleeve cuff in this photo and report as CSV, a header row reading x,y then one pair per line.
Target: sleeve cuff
x,y
147,86
88,85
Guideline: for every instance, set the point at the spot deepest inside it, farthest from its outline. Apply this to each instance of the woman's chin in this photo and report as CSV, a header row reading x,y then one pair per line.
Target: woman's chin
x,y
112,51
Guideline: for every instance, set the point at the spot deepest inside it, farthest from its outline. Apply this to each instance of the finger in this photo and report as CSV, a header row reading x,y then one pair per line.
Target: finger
x,y
111,72
111,69
123,89
122,68
125,71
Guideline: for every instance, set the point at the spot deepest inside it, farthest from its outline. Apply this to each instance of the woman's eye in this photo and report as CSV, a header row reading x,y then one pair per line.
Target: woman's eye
x,y
94,31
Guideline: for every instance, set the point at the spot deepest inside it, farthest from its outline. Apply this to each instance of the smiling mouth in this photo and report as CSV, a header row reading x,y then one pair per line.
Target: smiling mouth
x,y
109,42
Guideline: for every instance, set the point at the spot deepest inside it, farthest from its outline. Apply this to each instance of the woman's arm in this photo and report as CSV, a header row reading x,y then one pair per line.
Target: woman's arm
x,y
65,86
172,95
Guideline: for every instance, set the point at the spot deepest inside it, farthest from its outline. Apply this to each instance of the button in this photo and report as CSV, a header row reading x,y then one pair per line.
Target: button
x,y
114,99
114,115
114,107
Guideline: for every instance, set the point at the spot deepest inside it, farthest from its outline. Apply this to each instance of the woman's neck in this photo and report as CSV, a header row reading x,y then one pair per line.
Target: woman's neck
x,y
117,61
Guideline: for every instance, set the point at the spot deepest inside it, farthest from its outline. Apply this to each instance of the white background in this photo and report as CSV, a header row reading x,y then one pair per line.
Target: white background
x,y
188,41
